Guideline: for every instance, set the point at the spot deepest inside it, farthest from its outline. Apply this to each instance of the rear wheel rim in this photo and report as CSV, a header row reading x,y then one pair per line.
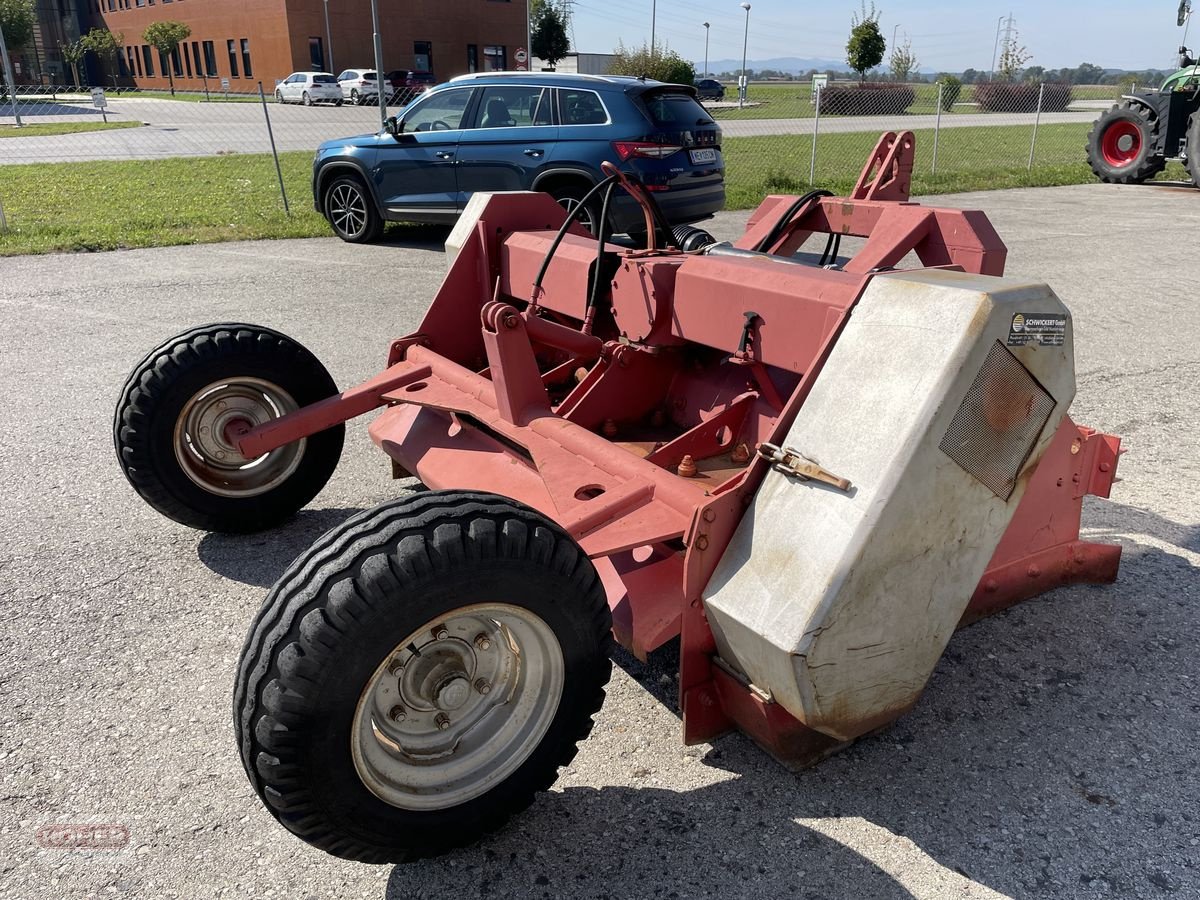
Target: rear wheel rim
x,y
584,216
212,421
1121,143
348,209
457,706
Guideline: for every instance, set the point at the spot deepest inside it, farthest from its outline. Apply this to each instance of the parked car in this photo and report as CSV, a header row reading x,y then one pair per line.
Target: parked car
x,y
710,89
309,88
406,84
513,131
359,86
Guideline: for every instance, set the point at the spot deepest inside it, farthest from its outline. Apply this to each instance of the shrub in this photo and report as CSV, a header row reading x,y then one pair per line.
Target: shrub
x,y
1004,96
951,88
870,99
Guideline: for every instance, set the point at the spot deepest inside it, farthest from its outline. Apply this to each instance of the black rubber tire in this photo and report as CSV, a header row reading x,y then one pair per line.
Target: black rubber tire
x,y
1193,148
337,102
1145,165
372,227
160,386
356,98
340,610
576,191
279,96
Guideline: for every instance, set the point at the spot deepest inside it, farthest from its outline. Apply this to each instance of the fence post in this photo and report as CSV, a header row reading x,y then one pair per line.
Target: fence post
x,y
937,128
812,163
1037,118
275,153
8,78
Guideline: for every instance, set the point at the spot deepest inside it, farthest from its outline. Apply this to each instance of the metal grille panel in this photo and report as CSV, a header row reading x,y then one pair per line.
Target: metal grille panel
x,y
994,429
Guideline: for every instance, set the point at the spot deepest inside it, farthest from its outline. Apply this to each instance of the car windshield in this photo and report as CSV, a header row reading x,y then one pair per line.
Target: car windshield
x,y
670,108
324,79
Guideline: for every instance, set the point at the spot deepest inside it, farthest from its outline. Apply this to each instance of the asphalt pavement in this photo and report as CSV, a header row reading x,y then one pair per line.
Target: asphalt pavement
x,y
178,128
1053,755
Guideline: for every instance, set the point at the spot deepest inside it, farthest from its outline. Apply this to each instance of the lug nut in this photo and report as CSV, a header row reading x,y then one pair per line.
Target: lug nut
x,y
397,714
482,686
395,667
443,721
440,633
483,642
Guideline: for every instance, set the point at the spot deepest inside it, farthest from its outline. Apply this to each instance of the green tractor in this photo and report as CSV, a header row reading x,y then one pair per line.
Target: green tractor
x,y
1133,141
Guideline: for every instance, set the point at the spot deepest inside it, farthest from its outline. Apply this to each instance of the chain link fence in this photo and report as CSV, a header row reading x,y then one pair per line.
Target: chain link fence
x,y
215,148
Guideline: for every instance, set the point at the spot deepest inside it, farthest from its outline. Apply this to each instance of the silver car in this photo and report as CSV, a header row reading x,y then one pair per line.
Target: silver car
x,y
309,88
359,86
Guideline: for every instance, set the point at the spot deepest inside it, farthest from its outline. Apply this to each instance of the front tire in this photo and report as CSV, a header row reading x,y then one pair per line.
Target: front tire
x,y
1120,146
182,408
307,100
279,96
1193,148
356,98
351,211
420,674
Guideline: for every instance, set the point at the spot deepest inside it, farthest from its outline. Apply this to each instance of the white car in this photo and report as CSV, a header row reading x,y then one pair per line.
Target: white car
x,y
309,88
359,86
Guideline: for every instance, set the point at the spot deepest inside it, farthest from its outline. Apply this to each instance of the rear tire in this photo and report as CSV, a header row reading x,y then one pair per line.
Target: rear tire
x,y
1120,145
356,98
568,197
306,100
351,211
1193,148
171,428
420,674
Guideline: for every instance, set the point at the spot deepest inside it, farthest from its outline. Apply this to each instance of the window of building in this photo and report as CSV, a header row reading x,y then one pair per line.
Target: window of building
x,y
472,57
176,62
162,63
246,58
210,59
233,65
316,54
423,56
137,59
187,60
122,67
495,58
148,60
140,2
129,59
196,59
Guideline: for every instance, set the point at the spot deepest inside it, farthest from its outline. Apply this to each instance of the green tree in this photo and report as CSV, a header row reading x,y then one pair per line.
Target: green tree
x,y
106,46
903,62
165,37
1034,73
970,76
866,46
661,65
951,88
1013,57
548,38
73,54
17,20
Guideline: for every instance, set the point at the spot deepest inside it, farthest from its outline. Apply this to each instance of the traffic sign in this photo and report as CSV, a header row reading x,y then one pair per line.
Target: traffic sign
x,y
520,68
98,99
521,56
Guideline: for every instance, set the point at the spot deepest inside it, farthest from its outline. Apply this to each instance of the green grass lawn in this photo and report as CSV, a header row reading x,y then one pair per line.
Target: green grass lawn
x,y
120,204
12,131
214,95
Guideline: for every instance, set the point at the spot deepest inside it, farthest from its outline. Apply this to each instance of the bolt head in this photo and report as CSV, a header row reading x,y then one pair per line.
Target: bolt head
x,y
443,721
482,685
397,714
483,642
440,633
395,667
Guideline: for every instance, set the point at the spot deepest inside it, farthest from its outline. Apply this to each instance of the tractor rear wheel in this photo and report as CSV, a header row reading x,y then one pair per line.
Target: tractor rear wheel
x,y
1193,145
1120,146
420,674
185,404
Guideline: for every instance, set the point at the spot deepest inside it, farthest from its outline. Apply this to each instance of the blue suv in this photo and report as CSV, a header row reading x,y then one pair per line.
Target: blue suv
x,y
518,132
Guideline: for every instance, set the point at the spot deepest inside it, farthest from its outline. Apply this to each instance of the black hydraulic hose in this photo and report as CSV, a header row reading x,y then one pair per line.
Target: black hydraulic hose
x,y
788,216
834,244
591,304
571,216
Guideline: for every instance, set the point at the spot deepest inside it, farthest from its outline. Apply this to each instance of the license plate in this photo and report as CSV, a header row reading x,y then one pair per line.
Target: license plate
x,y
703,156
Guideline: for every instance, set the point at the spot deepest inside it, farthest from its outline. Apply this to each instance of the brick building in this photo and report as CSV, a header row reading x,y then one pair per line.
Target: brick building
x,y
247,41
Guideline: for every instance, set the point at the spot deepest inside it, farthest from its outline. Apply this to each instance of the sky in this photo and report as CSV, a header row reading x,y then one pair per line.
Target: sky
x,y
947,36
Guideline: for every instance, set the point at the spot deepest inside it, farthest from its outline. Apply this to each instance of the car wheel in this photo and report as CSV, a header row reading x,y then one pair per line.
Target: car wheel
x,y
351,211
279,96
569,196
355,98
307,99
337,102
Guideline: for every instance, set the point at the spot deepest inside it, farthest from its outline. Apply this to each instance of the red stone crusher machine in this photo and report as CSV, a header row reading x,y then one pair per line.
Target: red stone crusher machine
x,y
811,474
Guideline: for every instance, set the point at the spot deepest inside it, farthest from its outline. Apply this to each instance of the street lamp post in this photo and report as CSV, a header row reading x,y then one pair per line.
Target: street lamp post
x,y
329,37
995,47
653,16
745,40
380,80
706,49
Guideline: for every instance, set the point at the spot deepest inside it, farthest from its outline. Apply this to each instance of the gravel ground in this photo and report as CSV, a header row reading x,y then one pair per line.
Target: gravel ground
x,y
1053,754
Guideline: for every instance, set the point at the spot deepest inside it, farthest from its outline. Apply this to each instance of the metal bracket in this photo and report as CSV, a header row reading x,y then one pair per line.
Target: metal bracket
x,y
792,462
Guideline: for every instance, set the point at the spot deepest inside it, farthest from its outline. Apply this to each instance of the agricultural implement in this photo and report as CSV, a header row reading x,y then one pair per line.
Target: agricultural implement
x,y
810,473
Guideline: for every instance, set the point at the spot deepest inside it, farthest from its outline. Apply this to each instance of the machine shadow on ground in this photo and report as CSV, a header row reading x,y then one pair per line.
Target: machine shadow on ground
x,y
1016,770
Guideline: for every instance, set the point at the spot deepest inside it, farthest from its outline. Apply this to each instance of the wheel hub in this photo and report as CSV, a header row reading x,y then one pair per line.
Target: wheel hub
x,y
457,706
1121,143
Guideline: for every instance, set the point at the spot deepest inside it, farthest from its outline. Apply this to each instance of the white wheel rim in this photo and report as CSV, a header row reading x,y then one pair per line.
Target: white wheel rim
x,y
348,209
585,216
457,706
209,425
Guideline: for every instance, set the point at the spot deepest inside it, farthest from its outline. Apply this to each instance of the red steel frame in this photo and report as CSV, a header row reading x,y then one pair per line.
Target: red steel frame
x,y
704,356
